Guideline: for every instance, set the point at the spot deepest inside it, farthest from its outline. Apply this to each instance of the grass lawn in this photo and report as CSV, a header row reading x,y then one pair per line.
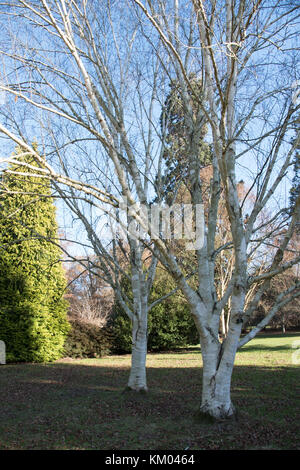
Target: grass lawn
x,y
78,404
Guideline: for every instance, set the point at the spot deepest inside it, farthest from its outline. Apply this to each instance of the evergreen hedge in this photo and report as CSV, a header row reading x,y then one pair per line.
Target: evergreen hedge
x,y
170,324
87,340
33,312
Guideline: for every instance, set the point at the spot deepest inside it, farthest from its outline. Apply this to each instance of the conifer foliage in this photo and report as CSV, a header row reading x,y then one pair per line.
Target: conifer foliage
x,y
33,318
295,188
170,324
174,127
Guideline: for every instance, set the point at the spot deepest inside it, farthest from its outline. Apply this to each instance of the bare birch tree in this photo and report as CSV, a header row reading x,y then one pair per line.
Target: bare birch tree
x,y
248,59
88,99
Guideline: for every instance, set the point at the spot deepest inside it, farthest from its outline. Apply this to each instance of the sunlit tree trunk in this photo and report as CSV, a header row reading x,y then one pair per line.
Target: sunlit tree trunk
x,y
137,378
218,361
140,290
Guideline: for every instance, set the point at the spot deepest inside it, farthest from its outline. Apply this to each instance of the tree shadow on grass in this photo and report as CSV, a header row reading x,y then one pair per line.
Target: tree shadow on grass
x,y
76,406
263,347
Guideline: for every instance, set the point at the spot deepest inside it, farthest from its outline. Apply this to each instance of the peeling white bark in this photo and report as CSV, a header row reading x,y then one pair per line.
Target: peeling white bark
x,y
137,378
216,400
218,362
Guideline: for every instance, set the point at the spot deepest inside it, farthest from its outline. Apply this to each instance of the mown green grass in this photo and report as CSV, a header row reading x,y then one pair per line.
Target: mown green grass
x,y
79,404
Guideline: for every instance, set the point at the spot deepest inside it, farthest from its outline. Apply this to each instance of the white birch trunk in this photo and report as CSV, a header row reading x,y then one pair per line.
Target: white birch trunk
x,y
137,378
216,400
218,362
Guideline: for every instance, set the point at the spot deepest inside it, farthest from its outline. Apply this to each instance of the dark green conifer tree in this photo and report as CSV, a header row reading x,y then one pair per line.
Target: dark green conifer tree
x,y
33,320
170,324
173,125
295,188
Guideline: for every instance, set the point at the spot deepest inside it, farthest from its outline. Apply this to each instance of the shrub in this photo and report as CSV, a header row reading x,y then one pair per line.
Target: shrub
x,y
87,340
170,324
